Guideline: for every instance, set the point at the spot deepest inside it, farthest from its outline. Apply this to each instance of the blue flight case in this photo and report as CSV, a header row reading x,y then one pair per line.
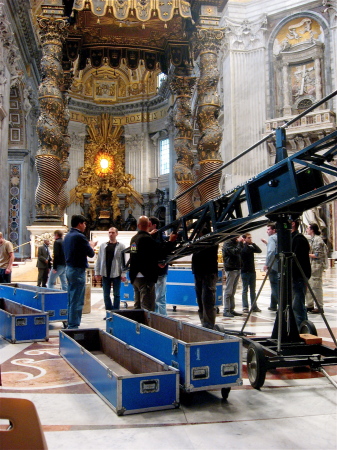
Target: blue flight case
x,y
20,323
127,379
180,289
52,301
206,359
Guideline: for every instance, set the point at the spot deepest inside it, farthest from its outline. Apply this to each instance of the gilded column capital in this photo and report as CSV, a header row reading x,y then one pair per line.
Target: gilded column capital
x,y
52,30
208,40
183,86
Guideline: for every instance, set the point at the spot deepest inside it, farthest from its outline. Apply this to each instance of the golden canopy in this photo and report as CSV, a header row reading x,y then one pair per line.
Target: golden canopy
x,y
144,10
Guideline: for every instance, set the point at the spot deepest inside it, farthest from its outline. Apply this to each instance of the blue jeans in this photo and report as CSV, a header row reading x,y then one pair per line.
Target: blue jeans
x,y
61,273
5,277
76,292
300,311
248,280
116,284
273,278
161,295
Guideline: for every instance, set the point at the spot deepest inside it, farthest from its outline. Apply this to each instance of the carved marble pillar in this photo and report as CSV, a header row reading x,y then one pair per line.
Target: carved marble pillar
x,y
183,86
52,154
147,205
207,45
286,100
318,79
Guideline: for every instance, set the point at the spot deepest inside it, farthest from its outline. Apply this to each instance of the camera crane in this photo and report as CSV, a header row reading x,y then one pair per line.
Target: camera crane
x,y
281,193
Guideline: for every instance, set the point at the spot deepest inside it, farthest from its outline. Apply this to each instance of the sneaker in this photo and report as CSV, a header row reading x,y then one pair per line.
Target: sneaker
x,y
272,309
228,314
310,308
245,310
236,313
256,309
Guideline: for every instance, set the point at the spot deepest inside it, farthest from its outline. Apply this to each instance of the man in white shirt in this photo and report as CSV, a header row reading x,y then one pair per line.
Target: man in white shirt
x,y
273,274
108,267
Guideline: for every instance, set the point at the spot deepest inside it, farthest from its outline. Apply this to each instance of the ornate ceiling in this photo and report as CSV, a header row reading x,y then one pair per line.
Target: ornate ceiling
x,y
115,48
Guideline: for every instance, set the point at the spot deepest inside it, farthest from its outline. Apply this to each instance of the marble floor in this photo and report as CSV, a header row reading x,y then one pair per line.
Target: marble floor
x,y
295,409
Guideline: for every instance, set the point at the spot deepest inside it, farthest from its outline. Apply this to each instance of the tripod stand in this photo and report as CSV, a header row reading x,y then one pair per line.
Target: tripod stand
x,y
285,348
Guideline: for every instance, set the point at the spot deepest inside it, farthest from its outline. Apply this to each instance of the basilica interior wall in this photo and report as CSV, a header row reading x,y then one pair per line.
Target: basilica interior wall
x,y
257,90
4,127
252,93
77,134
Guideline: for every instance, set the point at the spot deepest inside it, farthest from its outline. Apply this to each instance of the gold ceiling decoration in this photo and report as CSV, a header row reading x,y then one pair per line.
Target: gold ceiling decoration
x,y
144,10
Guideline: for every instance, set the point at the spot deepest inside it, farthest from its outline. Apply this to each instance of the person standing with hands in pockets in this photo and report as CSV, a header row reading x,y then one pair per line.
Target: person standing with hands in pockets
x,y
108,267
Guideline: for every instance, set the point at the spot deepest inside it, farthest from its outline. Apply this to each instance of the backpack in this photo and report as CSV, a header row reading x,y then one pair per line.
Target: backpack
x,y
325,263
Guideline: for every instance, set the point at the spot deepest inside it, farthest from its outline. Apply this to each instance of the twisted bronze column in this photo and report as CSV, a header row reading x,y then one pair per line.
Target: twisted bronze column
x,y
207,46
183,86
53,149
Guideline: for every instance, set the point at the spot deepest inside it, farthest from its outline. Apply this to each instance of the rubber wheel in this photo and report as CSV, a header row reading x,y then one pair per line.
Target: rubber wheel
x,y
225,393
174,308
219,327
217,310
65,324
256,365
307,327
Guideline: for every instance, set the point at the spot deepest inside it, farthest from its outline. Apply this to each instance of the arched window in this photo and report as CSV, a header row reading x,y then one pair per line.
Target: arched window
x,y
164,156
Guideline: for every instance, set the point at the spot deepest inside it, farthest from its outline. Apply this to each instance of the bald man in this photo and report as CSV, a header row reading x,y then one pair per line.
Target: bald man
x,y
6,260
145,253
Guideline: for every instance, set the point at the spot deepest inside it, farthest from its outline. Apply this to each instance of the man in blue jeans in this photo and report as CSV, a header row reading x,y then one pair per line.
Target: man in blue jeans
x,y
272,262
160,287
76,250
59,263
108,266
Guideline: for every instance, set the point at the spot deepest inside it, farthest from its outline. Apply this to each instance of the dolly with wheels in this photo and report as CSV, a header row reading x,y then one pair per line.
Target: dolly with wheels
x,y
288,346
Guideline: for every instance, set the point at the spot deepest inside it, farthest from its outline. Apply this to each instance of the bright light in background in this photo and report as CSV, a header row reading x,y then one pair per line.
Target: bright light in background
x,y
104,163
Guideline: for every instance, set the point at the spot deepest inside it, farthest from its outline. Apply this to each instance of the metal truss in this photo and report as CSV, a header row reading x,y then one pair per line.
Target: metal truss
x,y
292,186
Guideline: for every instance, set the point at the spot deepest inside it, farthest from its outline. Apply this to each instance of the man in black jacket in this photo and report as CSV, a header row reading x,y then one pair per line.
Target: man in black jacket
x,y
205,270
231,253
145,253
59,263
248,273
43,263
301,248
